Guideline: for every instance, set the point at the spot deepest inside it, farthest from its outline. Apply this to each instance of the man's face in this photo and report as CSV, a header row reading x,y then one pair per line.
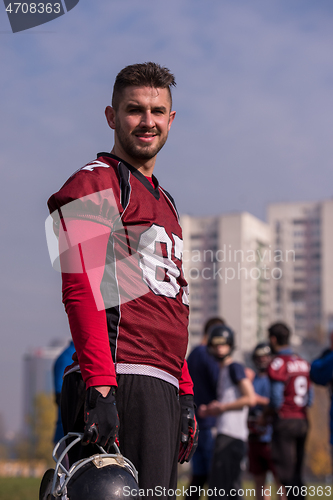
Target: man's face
x,y
262,362
141,122
220,351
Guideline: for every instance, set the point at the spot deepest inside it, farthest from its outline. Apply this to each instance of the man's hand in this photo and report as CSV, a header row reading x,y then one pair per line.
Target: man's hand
x,y
189,429
213,409
101,418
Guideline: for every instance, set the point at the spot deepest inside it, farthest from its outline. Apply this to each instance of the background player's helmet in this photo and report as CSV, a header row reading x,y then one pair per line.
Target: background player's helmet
x,y
262,356
103,478
220,335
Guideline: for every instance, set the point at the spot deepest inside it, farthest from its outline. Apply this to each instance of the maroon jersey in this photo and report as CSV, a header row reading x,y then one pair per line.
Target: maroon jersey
x,y
134,303
293,372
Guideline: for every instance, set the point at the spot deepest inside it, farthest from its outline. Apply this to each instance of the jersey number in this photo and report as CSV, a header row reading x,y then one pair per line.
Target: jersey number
x,y
155,247
301,390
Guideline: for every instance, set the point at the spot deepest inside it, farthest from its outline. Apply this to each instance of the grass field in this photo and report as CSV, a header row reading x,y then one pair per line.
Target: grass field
x,y
19,488
13,488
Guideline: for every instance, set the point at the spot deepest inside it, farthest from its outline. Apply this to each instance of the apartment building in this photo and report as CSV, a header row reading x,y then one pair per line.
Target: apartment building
x,y
227,263
303,235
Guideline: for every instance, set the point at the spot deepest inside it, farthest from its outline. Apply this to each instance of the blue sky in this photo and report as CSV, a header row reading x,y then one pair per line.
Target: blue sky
x,y
253,126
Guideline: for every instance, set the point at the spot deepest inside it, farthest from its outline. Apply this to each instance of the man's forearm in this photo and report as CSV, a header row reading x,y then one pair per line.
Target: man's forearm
x,y
238,404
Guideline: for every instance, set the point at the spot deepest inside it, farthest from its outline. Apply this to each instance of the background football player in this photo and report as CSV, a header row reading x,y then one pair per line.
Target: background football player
x,y
290,397
260,426
234,395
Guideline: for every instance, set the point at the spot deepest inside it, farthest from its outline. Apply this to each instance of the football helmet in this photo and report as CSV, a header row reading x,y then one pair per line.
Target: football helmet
x,y
262,356
99,477
220,335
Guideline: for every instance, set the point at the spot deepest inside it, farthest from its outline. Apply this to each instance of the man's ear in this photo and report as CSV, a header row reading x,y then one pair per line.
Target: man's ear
x,y
110,116
171,118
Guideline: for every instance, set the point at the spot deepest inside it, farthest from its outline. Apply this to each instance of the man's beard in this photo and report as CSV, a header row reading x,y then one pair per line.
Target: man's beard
x,y
144,152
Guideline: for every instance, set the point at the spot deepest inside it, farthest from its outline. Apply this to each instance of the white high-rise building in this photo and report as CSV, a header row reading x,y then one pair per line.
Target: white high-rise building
x,y
227,265
303,297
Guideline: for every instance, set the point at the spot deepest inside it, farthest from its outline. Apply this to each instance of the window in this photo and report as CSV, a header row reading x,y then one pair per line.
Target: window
x,y
297,295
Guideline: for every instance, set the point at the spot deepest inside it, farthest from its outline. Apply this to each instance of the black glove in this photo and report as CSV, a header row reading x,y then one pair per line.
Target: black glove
x,y
189,429
101,418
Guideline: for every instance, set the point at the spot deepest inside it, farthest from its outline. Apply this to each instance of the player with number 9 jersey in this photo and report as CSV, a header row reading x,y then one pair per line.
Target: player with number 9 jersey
x,y
293,372
290,398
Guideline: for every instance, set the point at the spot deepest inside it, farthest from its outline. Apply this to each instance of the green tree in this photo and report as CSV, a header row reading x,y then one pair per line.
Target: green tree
x,y
42,427
22,448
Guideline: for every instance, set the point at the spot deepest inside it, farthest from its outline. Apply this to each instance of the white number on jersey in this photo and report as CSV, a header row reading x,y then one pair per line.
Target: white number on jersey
x,y
155,247
301,390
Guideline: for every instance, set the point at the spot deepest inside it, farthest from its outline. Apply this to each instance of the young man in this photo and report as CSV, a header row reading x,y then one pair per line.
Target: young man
x,y
204,371
124,290
260,430
290,397
234,395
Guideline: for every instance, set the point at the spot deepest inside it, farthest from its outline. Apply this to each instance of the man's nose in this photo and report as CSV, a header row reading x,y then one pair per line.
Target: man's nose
x,y
147,120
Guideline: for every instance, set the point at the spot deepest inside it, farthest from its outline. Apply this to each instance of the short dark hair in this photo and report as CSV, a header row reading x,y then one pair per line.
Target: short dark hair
x,y
281,332
146,74
211,322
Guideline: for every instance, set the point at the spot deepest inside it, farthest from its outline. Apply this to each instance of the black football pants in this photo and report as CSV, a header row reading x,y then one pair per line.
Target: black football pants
x,y
226,466
288,443
149,431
